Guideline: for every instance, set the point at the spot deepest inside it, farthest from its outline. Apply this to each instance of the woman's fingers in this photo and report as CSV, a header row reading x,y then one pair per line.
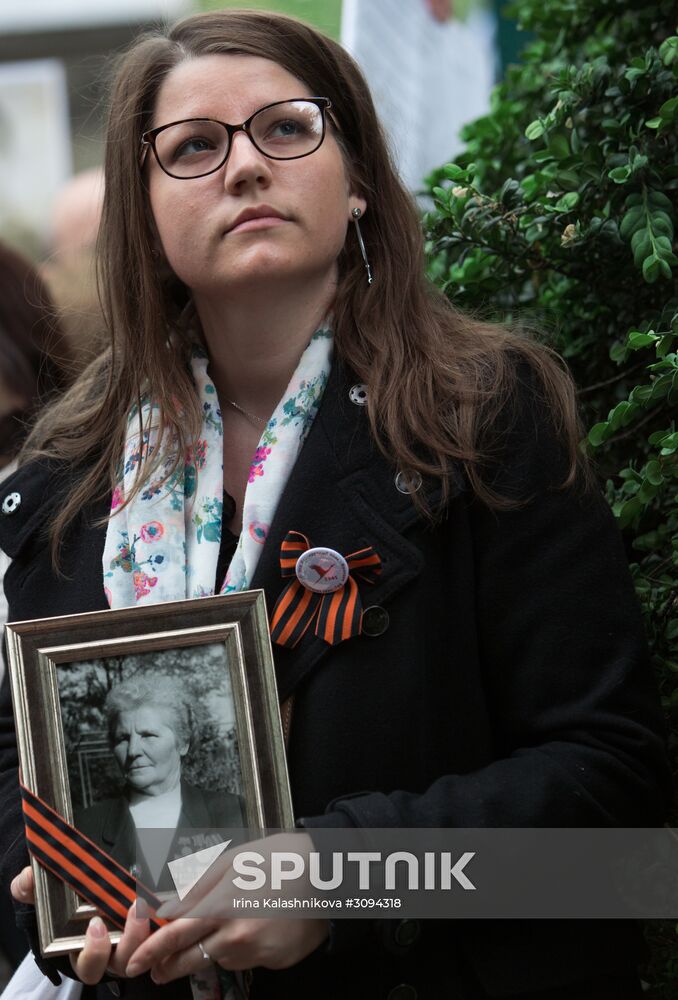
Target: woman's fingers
x,y
175,937
196,958
137,928
23,886
98,957
187,946
90,964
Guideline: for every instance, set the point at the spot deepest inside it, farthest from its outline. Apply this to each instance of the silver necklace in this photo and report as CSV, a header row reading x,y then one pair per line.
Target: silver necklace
x,y
245,413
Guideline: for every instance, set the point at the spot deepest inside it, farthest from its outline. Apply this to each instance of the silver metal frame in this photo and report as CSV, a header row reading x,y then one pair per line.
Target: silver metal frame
x,y
36,650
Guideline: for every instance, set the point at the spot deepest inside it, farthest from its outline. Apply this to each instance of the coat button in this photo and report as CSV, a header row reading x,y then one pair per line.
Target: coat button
x,y
407,932
358,394
403,992
11,503
408,482
375,620
135,871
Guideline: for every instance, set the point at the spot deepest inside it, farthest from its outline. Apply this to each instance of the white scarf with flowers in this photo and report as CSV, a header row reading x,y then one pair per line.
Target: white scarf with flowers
x,y
164,545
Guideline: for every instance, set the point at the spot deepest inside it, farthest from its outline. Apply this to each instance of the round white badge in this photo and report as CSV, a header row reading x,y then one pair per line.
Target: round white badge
x,y
322,570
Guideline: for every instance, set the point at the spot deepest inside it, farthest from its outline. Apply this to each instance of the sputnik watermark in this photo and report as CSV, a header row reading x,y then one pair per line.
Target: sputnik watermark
x,y
287,866
457,873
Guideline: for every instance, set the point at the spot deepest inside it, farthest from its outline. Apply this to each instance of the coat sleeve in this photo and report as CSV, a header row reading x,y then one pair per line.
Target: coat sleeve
x,y
575,714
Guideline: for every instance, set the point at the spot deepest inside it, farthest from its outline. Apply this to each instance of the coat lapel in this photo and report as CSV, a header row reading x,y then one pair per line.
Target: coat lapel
x,y
342,495
118,834
194,812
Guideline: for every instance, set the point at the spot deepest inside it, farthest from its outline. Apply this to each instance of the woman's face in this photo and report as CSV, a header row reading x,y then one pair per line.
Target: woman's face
x,y
146,748
194,218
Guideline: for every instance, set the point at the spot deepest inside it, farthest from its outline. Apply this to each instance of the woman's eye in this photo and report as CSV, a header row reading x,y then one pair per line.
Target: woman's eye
x,y
193,147
284,129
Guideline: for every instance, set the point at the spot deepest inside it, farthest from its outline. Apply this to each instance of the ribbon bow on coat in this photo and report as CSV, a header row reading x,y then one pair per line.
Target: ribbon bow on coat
x,y
336,609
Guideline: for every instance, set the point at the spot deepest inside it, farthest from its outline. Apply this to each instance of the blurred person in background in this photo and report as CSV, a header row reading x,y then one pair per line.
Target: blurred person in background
x,y
35,359
34,367
70,270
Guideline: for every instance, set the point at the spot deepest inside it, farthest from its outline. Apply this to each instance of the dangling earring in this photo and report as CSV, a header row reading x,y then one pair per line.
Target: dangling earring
x,y
356,213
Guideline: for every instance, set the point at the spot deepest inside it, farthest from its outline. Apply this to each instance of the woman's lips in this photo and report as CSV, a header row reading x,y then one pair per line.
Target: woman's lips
x,y
262,222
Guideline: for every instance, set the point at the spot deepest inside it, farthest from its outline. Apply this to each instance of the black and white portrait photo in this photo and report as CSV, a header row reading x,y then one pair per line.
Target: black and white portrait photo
x,y
151,745
156,732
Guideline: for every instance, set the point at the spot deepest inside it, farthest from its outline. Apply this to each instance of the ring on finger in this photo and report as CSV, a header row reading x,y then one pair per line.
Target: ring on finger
x,y
203,951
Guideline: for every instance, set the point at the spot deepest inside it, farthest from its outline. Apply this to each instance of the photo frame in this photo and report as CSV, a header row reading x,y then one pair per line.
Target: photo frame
x,y
111,705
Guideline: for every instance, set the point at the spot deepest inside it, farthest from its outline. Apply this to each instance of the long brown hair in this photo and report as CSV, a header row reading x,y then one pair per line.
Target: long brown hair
x,y
437,379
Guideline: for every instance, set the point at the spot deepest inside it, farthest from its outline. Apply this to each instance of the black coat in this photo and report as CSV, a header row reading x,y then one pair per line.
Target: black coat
x,y
510,687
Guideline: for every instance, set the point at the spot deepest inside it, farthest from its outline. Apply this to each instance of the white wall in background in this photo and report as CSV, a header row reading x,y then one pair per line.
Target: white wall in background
x,y
35,145
427,79
48,15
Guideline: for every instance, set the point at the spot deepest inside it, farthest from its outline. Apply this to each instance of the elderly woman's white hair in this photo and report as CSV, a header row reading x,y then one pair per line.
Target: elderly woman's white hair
x,y
156,691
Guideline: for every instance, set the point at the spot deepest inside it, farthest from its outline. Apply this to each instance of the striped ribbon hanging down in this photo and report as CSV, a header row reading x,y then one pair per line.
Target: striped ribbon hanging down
x,y
81,864
337,614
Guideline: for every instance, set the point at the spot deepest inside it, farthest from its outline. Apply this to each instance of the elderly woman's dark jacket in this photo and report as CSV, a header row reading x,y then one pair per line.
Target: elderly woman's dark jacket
x,y
509,685
110,824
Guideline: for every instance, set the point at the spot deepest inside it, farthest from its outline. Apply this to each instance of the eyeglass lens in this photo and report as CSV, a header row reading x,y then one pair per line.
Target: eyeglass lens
x,y
282,132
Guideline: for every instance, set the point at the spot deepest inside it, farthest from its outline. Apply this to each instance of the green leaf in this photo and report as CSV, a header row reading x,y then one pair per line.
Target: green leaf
x,y
631,221
641,393
559,145
653,473
636,339
534,130
668,50
669,108
618,352
653,122
651,268
620,174
453,172
568,179
622,414
669,444
662,224
568,201
664,345
599,433
648,491
659,200
629,511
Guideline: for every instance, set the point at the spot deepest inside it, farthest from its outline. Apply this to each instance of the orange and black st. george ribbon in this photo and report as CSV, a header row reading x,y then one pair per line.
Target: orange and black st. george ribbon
x,y
337,615
81,864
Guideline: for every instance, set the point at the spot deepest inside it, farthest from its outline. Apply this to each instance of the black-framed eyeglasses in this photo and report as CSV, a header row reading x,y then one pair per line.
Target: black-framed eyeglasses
x,y
195,147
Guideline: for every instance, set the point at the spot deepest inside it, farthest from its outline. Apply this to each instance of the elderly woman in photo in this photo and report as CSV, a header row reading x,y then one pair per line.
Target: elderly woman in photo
x,y
281,368
150,732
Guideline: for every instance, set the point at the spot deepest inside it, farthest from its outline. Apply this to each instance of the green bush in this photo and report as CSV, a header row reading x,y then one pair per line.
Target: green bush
x,y
562,211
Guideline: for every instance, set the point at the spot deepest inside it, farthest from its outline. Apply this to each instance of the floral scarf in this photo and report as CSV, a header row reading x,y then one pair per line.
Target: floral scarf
x,y
164,545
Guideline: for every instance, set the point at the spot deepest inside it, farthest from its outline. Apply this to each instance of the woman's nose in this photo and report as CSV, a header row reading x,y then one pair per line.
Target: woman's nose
x,y
134,746
245,165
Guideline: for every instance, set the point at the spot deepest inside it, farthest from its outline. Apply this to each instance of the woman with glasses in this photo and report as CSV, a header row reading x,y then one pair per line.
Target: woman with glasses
x,y
279,364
